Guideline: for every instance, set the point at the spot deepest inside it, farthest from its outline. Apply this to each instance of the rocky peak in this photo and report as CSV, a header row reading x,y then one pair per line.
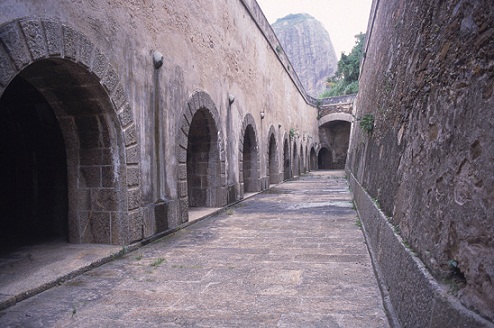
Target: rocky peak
x,y
309,48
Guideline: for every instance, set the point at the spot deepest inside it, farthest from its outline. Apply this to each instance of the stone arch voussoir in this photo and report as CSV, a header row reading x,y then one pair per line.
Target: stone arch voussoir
x,y
336,117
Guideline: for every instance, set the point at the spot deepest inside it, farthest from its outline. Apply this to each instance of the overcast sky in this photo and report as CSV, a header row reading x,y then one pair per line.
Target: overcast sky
x,y
342,18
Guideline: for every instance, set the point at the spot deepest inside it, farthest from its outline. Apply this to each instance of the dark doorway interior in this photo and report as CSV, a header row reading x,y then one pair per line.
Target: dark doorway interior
x,y
286,161
250,161
324,159
33,168
273,164
202,160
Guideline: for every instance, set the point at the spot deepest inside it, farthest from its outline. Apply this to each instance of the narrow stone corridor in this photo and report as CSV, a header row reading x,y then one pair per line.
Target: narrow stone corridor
x,y
293,256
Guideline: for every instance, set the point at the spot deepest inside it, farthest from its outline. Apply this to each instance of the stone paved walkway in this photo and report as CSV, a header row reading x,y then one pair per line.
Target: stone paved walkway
x,y
290,257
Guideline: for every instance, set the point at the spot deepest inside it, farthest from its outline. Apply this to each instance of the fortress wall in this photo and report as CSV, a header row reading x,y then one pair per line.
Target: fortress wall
x,y
211,50
428,80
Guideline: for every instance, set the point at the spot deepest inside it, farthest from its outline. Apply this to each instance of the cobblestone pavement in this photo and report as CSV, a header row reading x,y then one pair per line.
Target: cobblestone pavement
x,y
292,256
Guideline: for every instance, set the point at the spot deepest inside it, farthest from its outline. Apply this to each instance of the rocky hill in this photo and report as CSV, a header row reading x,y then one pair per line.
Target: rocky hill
x,y
309,48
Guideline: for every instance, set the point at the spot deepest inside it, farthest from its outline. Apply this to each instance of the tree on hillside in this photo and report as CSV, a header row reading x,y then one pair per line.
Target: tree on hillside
x,y
345,80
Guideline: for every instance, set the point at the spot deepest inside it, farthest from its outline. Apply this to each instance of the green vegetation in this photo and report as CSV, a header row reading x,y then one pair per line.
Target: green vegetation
x,y
367,122
158,262
345,80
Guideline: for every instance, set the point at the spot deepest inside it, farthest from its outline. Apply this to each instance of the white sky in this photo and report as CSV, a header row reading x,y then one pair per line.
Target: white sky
x,y
342,18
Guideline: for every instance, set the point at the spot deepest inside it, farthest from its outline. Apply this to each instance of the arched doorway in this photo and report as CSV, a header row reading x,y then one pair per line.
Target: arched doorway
x,y
302,162
203,161
324,159
58,118
201,157
272,160
335,135
250,170
286,160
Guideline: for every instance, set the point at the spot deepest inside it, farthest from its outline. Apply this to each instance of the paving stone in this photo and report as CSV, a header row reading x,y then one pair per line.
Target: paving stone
x,y
257,264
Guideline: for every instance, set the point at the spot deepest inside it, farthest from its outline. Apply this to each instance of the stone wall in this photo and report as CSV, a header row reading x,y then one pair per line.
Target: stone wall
x,y
126,113
428,80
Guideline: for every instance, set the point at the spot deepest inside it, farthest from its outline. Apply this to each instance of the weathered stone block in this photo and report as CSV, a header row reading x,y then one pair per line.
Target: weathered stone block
x,y
100,223
130,135
99,65
109,178
119,228
182,171
85,51
33,31
184,126
184,209
70,42
110,80
91,157
161,216
148,221
182,139
81,199
133,176
133,198
188,115
181,154
7,72
53,31
118,96
89,177
13,41
173,214
135,225
105,200
222,197
182,188
84,234
132,154
126,115
88,130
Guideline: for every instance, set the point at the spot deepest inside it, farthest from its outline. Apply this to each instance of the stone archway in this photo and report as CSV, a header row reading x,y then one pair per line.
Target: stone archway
x,y
249,156
201,156
76,94
273,157
335,135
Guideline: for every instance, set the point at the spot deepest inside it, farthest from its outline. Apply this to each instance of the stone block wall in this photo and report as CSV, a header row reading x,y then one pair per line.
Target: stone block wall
x,y
125,81
428,80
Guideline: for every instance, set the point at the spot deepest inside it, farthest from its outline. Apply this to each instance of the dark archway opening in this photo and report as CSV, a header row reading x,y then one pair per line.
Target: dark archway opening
x,y
250,161
336,135
324,159
273,163
302,162
203,163
33,168
286,161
